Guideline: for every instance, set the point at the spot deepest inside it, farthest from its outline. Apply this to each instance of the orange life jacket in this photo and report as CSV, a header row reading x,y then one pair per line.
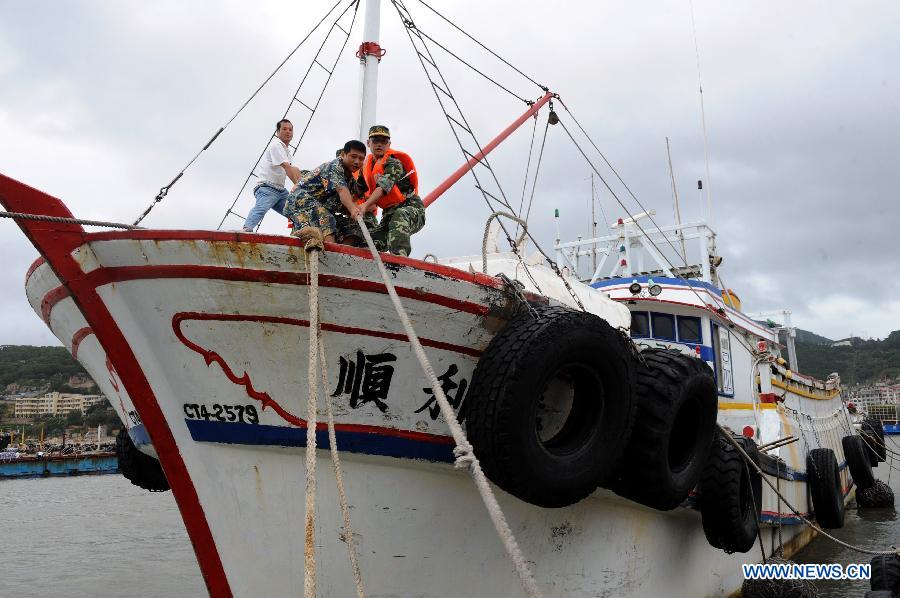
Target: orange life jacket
x,y
372,169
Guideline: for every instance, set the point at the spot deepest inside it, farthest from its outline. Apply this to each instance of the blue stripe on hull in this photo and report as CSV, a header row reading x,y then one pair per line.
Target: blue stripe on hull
x,y
351,442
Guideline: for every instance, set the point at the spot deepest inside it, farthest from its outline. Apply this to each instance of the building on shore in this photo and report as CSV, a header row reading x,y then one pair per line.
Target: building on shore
x,y
880,399
55,403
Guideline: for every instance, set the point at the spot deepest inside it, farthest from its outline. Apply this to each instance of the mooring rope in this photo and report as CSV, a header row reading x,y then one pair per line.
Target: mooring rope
x,y
313,247
338,473
465,457
727,435
63,220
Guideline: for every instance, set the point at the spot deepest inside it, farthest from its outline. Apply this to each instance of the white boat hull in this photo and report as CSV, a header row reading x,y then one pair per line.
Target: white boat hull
x,y
200,342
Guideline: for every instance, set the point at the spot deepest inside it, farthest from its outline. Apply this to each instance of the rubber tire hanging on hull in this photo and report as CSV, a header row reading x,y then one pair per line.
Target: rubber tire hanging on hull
x,y
141,470
677,406
824,480
731,496
858,461
550,406
876,428
885,573
871,443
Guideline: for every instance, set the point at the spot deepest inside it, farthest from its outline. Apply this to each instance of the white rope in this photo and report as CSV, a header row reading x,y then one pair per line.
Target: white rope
x,y
465,457
338,474
487,230
309,571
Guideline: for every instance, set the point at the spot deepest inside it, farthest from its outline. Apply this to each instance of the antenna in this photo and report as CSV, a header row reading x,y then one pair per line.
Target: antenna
x,y
677,208
702,119
593,225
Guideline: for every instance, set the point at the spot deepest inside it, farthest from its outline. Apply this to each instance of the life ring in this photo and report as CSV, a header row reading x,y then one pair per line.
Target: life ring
x,y
550,406
876,428
677,406
885,573
731,496
824,481
141,470
858,461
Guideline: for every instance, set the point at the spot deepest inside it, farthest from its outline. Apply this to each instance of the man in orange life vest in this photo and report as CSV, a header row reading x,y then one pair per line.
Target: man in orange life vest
x,y
392,184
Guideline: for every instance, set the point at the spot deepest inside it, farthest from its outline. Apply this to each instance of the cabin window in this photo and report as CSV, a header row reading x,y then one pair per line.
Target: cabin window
x,y
640,324
689,330
663,326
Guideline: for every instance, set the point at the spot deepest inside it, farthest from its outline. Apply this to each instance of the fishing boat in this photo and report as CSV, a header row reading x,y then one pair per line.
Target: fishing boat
x,y
592,404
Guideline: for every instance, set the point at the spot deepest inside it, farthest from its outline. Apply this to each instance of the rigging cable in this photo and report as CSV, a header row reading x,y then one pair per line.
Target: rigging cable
x,y
494,81
527,170
615,172
410,27
295,98
537,169
165,189
503,60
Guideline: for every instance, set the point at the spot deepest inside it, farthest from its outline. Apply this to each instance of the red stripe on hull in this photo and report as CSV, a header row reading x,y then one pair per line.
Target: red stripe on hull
x,y
105,276
181,317
212,236
34,266
56,241
51,299
79,336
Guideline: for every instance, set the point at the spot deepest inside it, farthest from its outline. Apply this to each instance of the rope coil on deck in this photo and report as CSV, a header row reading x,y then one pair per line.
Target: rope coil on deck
x,y
465,457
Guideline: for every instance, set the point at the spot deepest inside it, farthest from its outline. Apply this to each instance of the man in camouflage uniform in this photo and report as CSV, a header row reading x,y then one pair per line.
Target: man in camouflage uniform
x,y
358,191
398,222
323,197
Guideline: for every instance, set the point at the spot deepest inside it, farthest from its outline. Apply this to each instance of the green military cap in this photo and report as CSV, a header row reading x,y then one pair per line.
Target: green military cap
x,y
379,131
338,153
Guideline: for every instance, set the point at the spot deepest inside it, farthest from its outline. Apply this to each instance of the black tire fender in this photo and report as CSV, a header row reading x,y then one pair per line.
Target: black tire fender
x,y
885,573
871,444
677,406
824,481
731,496
858,461
141,470
551,406
876,428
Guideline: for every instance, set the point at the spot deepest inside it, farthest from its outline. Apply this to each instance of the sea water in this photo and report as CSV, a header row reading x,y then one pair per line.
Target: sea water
x,y
99,536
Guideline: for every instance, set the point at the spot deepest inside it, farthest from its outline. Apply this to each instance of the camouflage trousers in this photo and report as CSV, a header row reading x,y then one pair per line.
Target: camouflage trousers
x,y
329,217
398,224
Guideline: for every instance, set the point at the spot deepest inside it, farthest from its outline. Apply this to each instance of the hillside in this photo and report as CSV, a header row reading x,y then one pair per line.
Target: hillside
x,y
864,361
37,366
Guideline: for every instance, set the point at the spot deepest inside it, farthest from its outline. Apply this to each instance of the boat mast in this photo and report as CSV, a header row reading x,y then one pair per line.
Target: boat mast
x,y
369,56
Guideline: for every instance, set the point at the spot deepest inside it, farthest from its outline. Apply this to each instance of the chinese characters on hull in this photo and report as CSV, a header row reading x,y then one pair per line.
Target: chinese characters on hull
x,y
456,395
367,379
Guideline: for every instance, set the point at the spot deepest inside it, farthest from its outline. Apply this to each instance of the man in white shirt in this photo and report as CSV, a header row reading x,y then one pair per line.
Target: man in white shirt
x,y
275,165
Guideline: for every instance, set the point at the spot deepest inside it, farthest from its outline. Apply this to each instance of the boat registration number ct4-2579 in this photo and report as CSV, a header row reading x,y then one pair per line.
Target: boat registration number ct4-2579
x,y
245,414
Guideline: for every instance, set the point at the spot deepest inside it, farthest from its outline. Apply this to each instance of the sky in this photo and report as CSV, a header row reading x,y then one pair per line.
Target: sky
x,y
103,102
